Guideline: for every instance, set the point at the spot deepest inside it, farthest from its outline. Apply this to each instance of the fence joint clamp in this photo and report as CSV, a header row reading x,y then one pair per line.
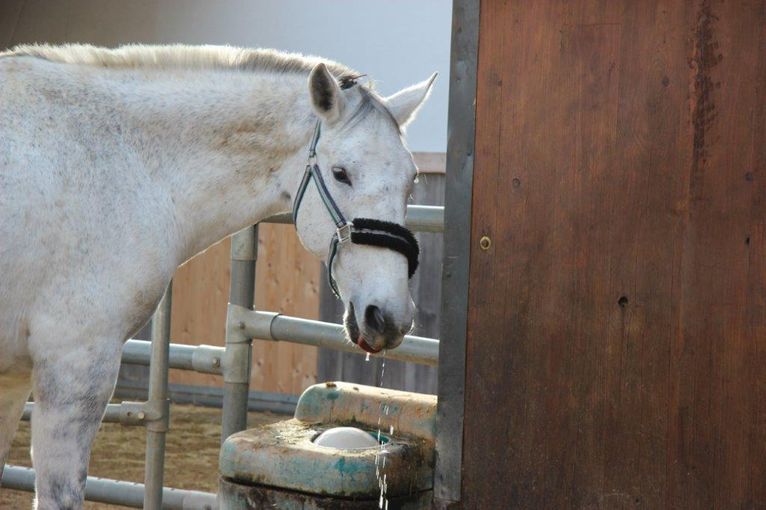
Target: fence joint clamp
x,y
152,413
236,330
236,357
208,359
259,325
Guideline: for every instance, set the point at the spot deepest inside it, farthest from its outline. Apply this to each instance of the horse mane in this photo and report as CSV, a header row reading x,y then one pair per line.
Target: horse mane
x,y
180,56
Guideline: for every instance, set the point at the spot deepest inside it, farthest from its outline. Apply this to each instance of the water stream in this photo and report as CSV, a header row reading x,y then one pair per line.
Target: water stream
x,y
380,458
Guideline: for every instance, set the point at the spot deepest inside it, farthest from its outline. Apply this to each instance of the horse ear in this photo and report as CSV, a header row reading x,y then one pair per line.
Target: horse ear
x,y
325,93
406,103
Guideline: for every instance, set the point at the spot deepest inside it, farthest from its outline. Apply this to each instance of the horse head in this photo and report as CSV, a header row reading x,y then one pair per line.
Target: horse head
x,y
350,208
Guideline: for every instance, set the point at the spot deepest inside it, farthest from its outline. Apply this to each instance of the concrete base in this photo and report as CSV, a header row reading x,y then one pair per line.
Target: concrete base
x,y
233,496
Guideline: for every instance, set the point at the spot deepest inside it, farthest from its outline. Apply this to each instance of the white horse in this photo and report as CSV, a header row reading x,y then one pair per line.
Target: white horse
x,y
118,165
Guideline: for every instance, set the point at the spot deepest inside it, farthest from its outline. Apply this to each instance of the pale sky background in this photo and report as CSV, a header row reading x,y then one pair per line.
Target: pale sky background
x,y
396,42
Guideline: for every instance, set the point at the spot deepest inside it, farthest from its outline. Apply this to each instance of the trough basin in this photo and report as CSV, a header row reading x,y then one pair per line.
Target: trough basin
x,y
280,466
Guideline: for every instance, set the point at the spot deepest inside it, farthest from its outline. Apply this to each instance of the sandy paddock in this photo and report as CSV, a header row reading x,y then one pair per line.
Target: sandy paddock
x,y
191,460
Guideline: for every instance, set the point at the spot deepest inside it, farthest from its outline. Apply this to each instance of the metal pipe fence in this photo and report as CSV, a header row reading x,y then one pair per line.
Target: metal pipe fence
x,y
283,328
157,405
420,218
237,358
117,492
232,361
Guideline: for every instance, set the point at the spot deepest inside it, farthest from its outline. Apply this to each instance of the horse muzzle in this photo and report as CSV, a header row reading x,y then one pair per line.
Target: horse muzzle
x,y
378,330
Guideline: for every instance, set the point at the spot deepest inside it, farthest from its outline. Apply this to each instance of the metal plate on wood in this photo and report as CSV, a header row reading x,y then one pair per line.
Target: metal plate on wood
x,y
457,223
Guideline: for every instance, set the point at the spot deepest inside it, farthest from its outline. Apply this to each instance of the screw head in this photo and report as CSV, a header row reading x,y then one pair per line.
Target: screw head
x,y
485,242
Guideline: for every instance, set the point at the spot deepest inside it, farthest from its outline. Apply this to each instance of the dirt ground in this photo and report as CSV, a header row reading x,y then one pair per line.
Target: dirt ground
x,y
191,460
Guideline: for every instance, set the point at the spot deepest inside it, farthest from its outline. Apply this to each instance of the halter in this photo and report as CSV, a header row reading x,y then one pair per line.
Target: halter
x,y
383,234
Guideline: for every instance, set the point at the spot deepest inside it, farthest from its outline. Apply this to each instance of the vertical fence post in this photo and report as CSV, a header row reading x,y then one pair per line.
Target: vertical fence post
x,y
237,359
157,407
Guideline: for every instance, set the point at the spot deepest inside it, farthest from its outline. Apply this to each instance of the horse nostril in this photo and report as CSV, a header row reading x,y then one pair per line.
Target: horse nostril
x,y
374,319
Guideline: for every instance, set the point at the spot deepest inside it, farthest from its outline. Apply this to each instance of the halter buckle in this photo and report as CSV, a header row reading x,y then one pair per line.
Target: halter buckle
x,y
344,233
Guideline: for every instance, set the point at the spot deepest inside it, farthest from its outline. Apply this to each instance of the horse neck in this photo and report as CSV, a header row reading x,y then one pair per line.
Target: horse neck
x,y
228,147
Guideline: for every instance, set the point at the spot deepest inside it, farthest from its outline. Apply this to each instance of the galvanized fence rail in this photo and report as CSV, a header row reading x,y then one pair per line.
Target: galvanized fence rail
x,y
233,362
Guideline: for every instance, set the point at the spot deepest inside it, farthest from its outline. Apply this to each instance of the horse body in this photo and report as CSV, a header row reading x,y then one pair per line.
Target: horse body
x,y
117,189
112,176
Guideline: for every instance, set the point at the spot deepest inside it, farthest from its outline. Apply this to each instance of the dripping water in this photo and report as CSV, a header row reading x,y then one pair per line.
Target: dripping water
x,y
380,457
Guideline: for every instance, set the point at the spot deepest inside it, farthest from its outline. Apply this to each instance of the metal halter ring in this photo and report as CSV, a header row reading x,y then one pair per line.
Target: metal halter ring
x,y
344,233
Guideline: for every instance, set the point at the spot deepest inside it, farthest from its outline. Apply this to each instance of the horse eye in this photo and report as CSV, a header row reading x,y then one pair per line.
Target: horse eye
x,y
340,175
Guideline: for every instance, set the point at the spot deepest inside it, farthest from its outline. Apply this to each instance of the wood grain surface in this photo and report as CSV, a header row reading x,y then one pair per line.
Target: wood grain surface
x,y
286,281
616,352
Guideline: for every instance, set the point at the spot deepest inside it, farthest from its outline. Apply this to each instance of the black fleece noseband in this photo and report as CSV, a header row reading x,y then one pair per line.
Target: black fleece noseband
x,y
386,234
366,231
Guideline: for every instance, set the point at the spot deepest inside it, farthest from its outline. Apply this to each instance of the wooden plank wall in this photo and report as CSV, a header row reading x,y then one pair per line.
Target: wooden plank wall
x,y
616,348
